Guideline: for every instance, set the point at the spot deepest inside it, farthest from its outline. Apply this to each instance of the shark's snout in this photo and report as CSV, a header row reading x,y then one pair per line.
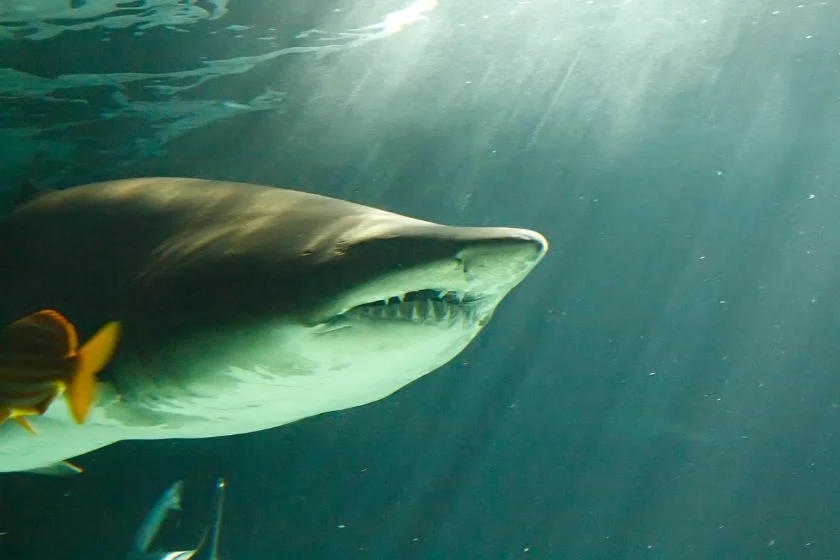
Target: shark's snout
x,y
461,286
497,264
513,252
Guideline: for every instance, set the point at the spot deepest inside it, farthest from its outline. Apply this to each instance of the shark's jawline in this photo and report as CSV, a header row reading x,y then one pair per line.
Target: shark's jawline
x,y
418,305
243,307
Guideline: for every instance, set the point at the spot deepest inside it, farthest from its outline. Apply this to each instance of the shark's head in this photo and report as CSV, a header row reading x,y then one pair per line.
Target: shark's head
x,y
321,311
431,290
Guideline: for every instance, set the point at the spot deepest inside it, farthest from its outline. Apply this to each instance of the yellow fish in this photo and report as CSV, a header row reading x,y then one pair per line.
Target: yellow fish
x,y
40,359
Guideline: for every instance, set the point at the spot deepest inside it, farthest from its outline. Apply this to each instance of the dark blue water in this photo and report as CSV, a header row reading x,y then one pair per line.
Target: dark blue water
x,y
664,386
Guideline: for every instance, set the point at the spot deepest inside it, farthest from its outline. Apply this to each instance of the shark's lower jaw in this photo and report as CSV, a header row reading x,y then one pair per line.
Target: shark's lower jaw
x,y
429,306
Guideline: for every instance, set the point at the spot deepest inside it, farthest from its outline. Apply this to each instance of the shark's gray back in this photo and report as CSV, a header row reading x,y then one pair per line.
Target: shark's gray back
x,y
83,250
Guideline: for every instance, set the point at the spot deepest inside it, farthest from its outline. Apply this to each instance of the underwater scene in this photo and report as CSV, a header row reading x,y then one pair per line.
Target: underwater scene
x,y
419,279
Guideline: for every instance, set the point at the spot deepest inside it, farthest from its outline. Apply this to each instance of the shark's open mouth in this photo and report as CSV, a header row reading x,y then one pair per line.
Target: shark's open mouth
x,y
421,305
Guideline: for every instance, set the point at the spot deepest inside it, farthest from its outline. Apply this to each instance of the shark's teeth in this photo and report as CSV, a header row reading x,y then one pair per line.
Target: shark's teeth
x,y
425,306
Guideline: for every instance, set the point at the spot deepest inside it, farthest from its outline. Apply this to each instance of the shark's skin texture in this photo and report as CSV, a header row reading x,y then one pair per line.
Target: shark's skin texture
x,y
243,307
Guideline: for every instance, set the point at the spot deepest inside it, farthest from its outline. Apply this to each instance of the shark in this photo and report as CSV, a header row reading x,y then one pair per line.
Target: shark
x,y
242,307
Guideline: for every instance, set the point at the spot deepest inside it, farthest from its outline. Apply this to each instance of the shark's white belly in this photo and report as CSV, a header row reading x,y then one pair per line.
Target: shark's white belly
x,y
302,375
250,400
58,438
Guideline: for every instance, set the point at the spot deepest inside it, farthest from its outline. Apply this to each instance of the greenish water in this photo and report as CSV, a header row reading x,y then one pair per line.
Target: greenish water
x,y
663,386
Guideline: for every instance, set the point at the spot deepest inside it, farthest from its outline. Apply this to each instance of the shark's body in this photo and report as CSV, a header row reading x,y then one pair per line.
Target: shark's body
x,y
243,307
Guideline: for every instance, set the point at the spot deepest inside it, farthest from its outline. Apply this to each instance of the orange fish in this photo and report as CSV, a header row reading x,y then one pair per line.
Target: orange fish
x,y
40,359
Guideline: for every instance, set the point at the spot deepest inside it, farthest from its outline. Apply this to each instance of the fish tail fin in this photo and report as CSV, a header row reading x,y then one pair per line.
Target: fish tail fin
x,y
7,414
92,358
25,424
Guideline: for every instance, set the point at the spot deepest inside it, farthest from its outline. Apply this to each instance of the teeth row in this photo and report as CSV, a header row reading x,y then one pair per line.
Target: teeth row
x,y
423,310
451,297
447,297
